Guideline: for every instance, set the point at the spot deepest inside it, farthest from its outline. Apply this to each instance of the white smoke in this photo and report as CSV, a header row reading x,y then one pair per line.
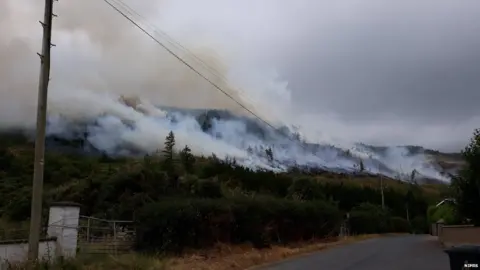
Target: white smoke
x,y
100,58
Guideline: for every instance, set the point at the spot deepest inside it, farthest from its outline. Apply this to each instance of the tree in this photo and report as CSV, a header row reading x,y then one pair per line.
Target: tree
x,y
168,152
413,175
409,198
187,159
269,154
296,136
369,218
361,166
466,185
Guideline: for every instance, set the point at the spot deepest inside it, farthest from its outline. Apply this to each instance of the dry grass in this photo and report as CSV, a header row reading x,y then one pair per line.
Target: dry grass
x,y
245,257
222,257
123,262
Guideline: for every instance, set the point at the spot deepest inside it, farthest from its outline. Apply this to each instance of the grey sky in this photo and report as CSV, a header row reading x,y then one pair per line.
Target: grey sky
x,y
384,72
415,61
418,61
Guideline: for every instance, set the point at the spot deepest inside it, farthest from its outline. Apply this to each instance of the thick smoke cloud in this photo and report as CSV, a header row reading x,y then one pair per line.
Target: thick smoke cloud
x,y
102,53
100,56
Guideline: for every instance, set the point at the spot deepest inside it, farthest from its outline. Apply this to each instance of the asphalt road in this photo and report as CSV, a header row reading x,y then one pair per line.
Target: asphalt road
x,y
411,252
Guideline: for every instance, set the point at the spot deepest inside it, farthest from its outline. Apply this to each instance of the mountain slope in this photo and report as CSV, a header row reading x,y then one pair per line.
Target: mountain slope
x,y
245,139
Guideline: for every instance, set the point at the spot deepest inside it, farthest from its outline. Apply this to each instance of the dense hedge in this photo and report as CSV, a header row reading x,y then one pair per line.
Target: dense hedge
x,y
399,225
175,224
369,218
419,225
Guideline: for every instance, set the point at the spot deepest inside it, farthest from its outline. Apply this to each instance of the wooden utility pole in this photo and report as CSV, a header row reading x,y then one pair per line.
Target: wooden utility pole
x,y
381,185
37,189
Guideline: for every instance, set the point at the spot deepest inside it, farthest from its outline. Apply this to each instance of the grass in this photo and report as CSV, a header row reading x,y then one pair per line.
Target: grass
x,y
123,262
246,257
221,257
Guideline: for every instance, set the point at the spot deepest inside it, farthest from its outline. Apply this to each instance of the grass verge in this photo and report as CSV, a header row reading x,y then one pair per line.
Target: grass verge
x,y
246,257
221,257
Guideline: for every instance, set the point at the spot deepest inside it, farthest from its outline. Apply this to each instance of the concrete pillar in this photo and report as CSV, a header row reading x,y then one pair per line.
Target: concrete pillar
x,y
63,223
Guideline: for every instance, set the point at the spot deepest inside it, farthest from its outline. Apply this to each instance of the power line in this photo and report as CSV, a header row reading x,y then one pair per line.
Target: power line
x,y
176,44
179,46
171,40
124,14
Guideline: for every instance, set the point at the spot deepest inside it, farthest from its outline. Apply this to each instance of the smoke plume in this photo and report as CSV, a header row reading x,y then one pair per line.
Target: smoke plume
x,y
111,79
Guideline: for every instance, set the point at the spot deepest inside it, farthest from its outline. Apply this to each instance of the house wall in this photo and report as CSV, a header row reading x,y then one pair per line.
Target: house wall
x,y
459,235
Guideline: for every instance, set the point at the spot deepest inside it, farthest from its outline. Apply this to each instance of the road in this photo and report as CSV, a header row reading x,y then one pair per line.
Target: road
x,y
411,252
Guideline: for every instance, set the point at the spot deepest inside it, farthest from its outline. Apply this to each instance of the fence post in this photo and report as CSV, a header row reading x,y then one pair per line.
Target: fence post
x,y
88,229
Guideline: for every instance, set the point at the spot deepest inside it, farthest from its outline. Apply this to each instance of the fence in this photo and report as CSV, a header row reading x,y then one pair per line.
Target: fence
x,y
435,228
69,233
101,236
344,230
458,235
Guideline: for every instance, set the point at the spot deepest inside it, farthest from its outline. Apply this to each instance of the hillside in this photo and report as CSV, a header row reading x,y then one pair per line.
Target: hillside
x,y
139,131
180,201
113,181
68,168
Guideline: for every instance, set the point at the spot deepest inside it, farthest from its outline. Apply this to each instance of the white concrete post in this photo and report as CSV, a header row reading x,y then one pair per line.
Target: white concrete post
x,y
63,223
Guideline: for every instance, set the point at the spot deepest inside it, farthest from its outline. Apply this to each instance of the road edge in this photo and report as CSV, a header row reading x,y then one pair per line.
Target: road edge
x,y
341,242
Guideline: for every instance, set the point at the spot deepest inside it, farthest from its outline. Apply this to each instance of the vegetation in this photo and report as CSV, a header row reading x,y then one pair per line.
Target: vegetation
x,y
445,212
466,185
124,262
180,201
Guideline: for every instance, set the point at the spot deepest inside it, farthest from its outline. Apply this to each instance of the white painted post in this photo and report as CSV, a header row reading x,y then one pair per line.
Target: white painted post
x,y
63,223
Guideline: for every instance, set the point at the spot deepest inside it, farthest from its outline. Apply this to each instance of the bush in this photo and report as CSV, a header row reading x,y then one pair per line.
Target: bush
x,y
175,224
305,189
466,185
208,188
446,212
369,218
419,225
399,225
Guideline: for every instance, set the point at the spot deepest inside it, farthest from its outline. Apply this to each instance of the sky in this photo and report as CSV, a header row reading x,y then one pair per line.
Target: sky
x,y
379,72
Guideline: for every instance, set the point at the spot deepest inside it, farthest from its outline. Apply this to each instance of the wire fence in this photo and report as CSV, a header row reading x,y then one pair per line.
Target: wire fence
x,y
13,234
101,236
18,234
92,236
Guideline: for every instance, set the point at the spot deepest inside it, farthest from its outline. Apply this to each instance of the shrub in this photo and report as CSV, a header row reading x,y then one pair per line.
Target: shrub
x,y
445,211
399,225
466,185
305,189
369,218
175,224
208,188
419,225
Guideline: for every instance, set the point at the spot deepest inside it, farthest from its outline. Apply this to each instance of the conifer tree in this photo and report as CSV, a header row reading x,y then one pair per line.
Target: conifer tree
x,y
361,166
269,153
168,152
187,158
